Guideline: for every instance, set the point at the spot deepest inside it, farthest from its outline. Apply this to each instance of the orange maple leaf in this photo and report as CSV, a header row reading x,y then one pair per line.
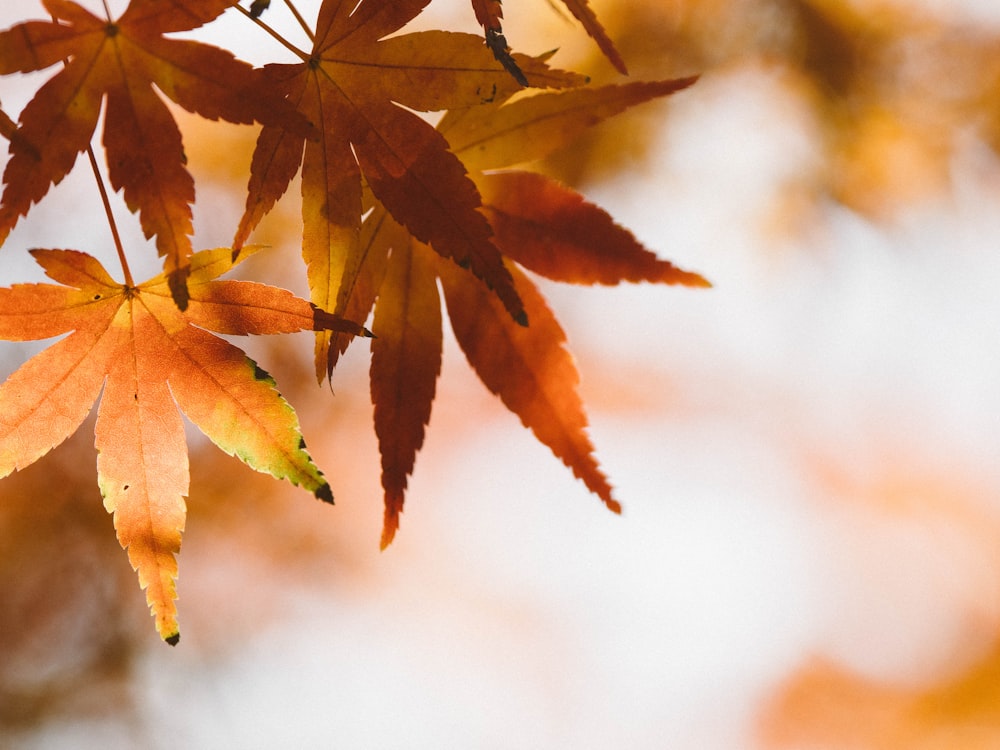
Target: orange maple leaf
x,y
123,60
356,85
539,225
150,358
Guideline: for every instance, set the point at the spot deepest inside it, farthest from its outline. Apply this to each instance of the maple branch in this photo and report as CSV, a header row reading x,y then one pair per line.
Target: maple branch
x,y
275,35
111,217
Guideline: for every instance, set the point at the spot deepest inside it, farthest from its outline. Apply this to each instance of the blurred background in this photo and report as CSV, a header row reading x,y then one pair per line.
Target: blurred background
x,y
807,453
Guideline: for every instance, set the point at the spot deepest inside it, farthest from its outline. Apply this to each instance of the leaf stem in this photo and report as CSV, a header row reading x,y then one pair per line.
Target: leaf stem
x,y
111,217
302,22
304,56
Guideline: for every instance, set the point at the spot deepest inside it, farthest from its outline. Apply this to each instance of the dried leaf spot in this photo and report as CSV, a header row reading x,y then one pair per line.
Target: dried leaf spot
x,y
174,639
259,373
324,493
257,8
492,95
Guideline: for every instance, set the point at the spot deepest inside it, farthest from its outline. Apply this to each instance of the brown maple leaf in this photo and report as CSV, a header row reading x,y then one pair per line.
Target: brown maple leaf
x,y
539,225
122,61
356,85
151,359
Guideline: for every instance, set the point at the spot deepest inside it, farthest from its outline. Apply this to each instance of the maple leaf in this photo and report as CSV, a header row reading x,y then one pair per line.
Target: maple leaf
x,y
356,85
539,225
151,359
122,60
404,367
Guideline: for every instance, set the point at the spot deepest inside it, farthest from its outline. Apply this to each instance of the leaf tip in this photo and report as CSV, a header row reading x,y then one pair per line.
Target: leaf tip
x,y
177,281
173,639
674,275
324,493
324,321
701,282
390,523
497,43
388,534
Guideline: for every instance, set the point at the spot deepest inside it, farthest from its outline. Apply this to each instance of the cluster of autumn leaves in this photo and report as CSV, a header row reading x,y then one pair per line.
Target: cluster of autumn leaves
x,y
395,212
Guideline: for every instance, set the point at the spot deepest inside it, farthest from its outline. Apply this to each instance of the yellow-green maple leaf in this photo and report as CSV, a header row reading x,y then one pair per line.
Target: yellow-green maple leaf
x,y
151,358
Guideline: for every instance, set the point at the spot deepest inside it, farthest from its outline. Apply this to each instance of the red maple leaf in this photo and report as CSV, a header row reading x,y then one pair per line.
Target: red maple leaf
x,y
121,61
540,225
356,85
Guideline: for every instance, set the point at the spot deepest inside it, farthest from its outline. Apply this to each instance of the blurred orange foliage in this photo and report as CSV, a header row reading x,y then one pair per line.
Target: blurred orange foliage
x,y
894,90
948,696
826,706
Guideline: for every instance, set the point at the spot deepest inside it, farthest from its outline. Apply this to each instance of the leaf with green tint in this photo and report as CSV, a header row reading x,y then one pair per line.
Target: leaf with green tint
x,y
151,359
